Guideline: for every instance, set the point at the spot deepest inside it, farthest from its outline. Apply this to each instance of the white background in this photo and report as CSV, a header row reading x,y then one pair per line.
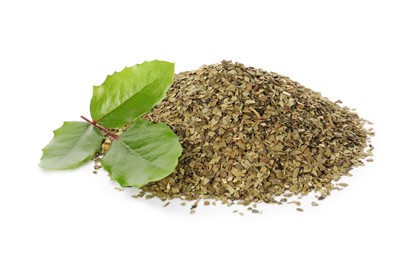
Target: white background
x,y
52,53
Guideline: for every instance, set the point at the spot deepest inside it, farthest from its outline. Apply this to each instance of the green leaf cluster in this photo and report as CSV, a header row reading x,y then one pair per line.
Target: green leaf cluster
x,y
145,152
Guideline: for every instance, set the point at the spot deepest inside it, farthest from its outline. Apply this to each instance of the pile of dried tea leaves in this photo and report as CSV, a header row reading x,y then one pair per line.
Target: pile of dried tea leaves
x,y
249,135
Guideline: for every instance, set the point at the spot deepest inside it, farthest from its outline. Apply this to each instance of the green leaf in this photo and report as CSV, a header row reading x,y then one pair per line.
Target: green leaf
x,y
73,144
145,152
126,95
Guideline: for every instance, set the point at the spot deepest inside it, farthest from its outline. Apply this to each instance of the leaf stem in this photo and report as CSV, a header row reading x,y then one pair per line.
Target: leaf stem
x,y
93,122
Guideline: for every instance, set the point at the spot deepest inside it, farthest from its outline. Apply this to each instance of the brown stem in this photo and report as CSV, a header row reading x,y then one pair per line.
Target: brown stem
x,y
114,136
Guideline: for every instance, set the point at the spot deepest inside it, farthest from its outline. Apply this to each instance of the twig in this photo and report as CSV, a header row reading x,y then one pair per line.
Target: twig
x,y
114,136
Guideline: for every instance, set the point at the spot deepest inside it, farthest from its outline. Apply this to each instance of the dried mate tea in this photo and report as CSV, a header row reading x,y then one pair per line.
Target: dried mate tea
x,y
253,136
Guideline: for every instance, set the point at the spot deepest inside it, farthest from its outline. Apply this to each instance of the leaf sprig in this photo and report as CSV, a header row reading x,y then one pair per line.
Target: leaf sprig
x,y
145,152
